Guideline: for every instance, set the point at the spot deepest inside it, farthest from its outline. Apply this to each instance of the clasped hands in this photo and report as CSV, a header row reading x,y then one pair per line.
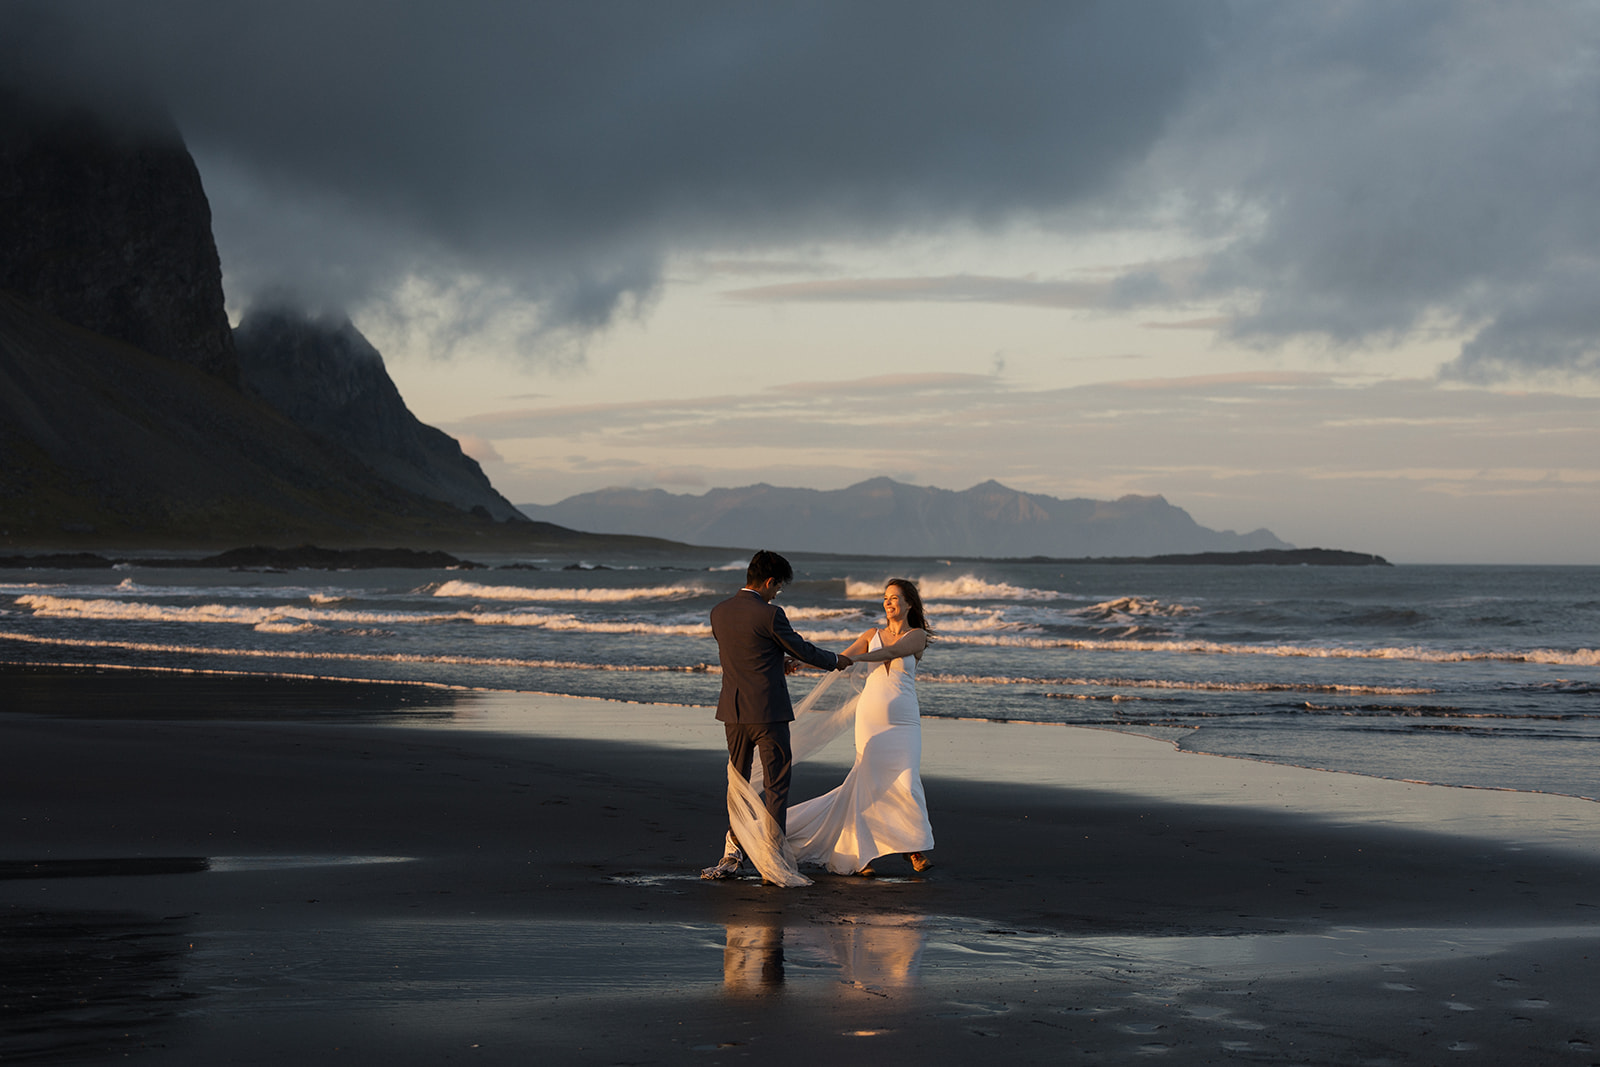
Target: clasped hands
x,y
790,664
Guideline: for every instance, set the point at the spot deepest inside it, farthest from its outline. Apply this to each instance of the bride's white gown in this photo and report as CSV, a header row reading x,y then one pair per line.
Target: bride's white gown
x,y
879,809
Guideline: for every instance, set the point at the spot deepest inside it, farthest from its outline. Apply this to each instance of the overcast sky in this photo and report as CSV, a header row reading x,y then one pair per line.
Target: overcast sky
x,y
1328,268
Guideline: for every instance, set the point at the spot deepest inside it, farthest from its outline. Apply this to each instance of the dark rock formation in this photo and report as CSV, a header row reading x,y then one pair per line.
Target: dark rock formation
x,y
101,439
885,517
311,557
1271,557
104,223
121,416
325,377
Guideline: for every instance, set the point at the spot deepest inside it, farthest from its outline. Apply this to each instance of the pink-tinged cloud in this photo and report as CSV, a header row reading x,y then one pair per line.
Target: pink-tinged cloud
x,y
480,448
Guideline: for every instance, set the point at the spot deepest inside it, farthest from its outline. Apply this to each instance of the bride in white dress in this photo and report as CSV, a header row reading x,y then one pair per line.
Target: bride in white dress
x,y
879,809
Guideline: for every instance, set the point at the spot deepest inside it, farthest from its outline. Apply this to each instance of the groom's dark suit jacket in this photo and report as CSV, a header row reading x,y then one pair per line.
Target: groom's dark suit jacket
x,y
752,639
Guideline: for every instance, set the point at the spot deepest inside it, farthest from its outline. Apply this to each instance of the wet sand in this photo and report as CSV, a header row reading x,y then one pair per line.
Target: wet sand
x,y
215,869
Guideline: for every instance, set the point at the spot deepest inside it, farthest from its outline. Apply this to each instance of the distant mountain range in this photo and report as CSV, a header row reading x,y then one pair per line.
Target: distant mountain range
x,y
885,517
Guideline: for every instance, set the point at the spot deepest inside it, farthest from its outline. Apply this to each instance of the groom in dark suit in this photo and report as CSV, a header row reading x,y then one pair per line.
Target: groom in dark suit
x,y
754,640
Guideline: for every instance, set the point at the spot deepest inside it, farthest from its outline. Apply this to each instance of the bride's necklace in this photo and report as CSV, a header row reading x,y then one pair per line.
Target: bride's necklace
x,y
892,634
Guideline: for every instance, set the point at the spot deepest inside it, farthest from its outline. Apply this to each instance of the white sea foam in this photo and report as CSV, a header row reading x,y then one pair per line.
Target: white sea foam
x,y
1200,685
1130,608
981,622
473,590
965,587
735,565
55,607
1581,657
574,624
296,619
794,613
279,626
130,588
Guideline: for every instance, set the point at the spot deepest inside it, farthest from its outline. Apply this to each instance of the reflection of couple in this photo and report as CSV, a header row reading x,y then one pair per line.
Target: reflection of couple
x,y
879,809
875,952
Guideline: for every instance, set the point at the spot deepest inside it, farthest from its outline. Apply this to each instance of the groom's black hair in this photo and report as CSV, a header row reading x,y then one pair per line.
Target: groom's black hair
x,y
764,565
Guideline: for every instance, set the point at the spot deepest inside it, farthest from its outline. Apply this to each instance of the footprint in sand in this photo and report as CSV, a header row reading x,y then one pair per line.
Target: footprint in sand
x,y
1456,1005
1205,1011
1533,1004
958,1010
1397,987
1141,1028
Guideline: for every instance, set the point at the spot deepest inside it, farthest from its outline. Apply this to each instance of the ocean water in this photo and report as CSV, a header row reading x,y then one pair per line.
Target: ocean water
x,y
1473,676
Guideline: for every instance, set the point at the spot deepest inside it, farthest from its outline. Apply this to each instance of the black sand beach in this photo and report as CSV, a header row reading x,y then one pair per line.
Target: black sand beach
x,y
206,868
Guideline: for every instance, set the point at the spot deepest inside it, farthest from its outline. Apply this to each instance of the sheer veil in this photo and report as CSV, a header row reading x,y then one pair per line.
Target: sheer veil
x,y
826,712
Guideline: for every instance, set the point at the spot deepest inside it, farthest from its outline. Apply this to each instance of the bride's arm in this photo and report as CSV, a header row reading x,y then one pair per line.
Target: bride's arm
x,y
911,643
858,646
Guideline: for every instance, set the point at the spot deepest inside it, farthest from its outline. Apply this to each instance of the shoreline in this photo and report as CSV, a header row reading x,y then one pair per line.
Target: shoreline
x,y
1110,898
11,667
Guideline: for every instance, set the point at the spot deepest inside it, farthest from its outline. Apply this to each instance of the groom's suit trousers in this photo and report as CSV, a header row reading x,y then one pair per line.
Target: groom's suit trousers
x,y
753,639
771,739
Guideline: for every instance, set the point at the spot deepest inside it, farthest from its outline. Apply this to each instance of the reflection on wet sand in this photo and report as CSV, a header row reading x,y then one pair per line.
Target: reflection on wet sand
x,y
752,962
877,953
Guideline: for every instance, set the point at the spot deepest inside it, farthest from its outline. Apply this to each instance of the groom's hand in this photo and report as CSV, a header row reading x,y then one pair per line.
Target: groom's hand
x,y
790,665
843,662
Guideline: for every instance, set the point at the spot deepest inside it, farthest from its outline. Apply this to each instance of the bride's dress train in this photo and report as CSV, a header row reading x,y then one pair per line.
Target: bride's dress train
x,y
879,809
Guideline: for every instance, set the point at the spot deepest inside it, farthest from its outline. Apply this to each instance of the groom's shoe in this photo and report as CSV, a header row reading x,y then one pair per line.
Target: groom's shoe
x,y
728,866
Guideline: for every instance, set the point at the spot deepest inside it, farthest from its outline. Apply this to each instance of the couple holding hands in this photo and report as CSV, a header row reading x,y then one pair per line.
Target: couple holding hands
x,y
879,808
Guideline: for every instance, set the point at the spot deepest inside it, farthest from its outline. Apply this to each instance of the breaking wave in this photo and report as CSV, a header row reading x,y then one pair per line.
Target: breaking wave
x,y
965,587
591,596
1580,657
1129,608
1192,685
295,619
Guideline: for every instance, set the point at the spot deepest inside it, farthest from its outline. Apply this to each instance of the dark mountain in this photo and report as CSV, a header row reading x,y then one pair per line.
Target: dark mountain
x,y
882,516
106,226
324,376
97,436
121,414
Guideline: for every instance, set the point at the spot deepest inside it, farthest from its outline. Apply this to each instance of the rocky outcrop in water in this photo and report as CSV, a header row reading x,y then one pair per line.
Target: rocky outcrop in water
x,y
107,227
325,377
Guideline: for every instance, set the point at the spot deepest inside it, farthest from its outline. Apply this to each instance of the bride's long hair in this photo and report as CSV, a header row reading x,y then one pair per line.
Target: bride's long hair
x,y
913,597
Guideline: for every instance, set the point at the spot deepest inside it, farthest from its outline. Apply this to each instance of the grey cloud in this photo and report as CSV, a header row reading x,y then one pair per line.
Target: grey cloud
x,y
1553,327
1389,166
563,149
1359,169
